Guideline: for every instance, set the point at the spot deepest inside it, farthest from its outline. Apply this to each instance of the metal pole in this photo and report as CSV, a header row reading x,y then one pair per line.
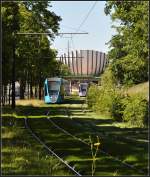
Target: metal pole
x,y
73,63
81,61
87,62
77,61
46,33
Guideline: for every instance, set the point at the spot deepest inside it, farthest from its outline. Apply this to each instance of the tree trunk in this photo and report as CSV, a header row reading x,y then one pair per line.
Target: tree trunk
x,y
22,89
35,92
31,87
31,90
5,94
40,87
13,77
28,90
9,92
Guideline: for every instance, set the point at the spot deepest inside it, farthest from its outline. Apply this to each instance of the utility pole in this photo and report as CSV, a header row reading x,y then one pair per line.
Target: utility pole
x,y
68,46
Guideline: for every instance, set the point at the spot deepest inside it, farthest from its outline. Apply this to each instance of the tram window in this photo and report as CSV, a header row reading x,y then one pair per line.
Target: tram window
x,y
45,90
53,85
83,89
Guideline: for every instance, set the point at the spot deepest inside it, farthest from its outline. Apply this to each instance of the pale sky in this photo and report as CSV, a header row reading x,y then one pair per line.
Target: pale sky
x,y
98,25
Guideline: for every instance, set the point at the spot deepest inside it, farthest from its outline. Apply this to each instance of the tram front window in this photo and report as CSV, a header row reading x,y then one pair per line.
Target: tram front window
x,y
53,87
83,88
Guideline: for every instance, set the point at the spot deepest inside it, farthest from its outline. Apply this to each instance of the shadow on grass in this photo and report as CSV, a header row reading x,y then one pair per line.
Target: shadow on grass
x,y
131,151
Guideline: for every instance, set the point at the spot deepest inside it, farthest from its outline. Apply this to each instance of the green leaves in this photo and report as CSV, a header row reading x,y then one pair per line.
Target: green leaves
x,y
129,47
136,110
34,56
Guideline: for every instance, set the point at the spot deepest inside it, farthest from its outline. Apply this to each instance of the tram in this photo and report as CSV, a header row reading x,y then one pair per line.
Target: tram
x,y
83,87
55,90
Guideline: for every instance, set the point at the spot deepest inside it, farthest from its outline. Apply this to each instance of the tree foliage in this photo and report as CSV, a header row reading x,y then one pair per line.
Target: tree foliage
x,y
128,56
129,47
35,59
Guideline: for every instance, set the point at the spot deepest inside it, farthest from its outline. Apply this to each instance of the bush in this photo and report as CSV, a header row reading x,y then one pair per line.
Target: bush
x,y
92,95
109,100
103,102
106,99
136,110
117,107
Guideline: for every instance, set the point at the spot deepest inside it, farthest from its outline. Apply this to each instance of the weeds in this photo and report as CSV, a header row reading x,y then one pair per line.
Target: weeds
x,y
115,173
94,154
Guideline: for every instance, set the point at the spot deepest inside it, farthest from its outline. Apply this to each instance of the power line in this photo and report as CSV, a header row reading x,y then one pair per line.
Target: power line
x,y
84,20
23,33
86,17
71,28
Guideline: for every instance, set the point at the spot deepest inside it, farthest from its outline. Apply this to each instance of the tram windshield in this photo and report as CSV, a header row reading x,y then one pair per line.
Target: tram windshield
x,y
53,87
83,88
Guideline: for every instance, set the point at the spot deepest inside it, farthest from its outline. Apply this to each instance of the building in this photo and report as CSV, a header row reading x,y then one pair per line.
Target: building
x,y
85,63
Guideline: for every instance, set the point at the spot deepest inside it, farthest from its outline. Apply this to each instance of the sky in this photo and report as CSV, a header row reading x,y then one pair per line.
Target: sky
x,y
97,25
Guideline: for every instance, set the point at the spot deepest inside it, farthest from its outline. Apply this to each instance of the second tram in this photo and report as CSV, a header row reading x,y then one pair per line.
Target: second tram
x,y
83,87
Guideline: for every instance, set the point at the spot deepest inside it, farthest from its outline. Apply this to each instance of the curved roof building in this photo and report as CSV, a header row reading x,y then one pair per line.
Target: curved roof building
x,y
85,62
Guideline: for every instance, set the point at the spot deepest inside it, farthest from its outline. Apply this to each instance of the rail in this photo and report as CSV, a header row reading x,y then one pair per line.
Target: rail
x,y
79,139
46,147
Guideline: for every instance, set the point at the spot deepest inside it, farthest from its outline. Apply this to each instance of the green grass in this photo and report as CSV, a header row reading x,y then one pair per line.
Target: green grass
x,y
26,156
22,155
142,88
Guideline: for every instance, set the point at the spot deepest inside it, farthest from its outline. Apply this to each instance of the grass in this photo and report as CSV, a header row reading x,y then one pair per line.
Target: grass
x,y
27,157
142,88
22,155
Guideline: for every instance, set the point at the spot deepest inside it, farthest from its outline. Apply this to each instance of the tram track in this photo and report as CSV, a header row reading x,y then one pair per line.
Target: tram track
x,y
49,149
75,138
116,138
83,141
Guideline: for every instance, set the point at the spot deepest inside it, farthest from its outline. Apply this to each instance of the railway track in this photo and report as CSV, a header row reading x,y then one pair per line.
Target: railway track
x,y
83,141
75,138
49,149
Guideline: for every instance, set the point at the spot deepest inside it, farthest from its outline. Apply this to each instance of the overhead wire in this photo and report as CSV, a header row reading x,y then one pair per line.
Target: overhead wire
x,y
72,28
82,23
86,17
84,20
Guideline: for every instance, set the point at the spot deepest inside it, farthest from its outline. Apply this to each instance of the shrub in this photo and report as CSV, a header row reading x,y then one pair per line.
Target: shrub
x,y
109,100
103,102
136,110
117,107
106,99
92,95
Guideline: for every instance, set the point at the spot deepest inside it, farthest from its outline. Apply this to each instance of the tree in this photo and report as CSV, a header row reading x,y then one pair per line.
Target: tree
x,y
30,51
129,47
10,25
